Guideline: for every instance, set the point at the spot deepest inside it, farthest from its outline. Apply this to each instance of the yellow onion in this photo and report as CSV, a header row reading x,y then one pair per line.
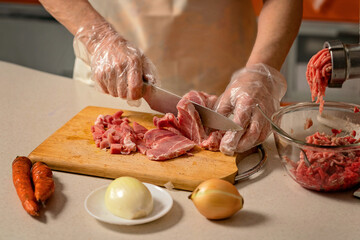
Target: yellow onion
x,y
128,198
217,199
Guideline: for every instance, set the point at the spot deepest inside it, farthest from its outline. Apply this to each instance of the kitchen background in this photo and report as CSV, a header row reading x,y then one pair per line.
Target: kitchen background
x,y
30,37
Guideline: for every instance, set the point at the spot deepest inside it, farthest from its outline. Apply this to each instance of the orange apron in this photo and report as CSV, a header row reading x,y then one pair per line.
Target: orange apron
x,y
194,44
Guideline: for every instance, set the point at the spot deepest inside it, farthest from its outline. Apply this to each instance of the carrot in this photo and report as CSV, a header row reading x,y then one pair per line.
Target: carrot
x,y
21,168
43,181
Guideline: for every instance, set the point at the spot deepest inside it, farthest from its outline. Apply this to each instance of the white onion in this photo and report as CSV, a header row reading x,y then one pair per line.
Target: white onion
x,y
128,198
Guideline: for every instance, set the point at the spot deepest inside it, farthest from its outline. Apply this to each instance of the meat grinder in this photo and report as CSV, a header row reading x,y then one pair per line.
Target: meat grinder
x,y
345,60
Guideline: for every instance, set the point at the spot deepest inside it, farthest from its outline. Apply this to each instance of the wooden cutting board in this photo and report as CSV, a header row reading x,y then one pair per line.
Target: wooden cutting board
x,y
72,149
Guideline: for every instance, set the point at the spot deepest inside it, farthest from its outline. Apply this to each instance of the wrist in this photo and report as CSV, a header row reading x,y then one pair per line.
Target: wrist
x,y
94,34
263,60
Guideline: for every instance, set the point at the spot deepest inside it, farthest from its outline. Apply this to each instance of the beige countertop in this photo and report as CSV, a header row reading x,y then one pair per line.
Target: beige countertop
x,y
34,104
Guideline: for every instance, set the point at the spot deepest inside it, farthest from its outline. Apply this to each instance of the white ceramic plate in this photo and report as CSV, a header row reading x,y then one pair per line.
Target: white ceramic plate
x,y
95,206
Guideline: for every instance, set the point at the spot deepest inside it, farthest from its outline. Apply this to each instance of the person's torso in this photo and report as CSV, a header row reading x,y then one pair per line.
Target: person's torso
x,y
194,44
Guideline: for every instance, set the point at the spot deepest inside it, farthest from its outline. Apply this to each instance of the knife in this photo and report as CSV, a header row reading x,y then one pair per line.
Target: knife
x,y
165,102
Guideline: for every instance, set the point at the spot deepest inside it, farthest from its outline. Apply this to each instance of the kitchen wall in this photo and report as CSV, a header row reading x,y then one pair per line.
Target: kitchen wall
x,y
30,37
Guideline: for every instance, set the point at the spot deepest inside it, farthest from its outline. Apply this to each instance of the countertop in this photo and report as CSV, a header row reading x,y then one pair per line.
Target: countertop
x,y
34,104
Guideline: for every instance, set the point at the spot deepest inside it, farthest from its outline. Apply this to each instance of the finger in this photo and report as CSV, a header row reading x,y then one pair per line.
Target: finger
x,y
243,110
230,141
242,116
98,78
250,138
121,82
223,104
265,132
258,131
102,87
149,70
110,80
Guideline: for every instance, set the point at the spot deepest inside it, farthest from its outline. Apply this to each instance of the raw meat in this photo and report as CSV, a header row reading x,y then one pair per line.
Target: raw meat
x,y
318,74
308,124
173,136
169,122
212,142
114,133
139,129
188,122
201,98
163,144
155,135
329,170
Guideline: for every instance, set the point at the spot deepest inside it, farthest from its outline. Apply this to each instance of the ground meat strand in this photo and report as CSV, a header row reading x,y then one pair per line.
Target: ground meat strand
x,y
329,171
318,74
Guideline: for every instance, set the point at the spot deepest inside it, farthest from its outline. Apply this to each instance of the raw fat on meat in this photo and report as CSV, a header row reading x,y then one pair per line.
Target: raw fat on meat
x,y
139,129
169,122
329,171
318,74
201,98
190,122
209,141
163,144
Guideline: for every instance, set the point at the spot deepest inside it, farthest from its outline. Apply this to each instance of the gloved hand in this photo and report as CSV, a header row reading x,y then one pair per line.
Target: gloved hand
x,y
118,68
257,84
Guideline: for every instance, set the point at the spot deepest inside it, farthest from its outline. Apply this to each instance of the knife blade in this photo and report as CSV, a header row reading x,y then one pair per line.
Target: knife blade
x,y
164,101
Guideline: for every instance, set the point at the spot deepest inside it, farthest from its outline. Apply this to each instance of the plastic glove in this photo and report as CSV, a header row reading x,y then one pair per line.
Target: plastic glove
x,y
117,67
257,84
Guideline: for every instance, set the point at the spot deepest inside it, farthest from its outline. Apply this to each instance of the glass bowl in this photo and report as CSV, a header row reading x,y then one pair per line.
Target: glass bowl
x,y
330,140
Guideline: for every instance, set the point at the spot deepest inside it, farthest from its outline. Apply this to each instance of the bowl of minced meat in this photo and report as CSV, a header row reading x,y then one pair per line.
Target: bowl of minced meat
x,y
330,139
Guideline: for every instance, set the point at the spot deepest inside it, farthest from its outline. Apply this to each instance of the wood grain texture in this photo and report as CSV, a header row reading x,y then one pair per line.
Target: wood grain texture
x,y
72,149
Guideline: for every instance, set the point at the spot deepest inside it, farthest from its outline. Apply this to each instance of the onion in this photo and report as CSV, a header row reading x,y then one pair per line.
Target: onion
x,y
217,199
128,198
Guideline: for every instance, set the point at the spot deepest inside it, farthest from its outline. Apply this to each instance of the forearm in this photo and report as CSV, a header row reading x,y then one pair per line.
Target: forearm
x,y
73,14
278,25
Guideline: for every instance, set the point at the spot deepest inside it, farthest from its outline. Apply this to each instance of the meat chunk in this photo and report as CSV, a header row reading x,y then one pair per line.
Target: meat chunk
x,y
212,142
201,98
163,144
154,135
168,122
190,122
120,139
308,123
139,129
